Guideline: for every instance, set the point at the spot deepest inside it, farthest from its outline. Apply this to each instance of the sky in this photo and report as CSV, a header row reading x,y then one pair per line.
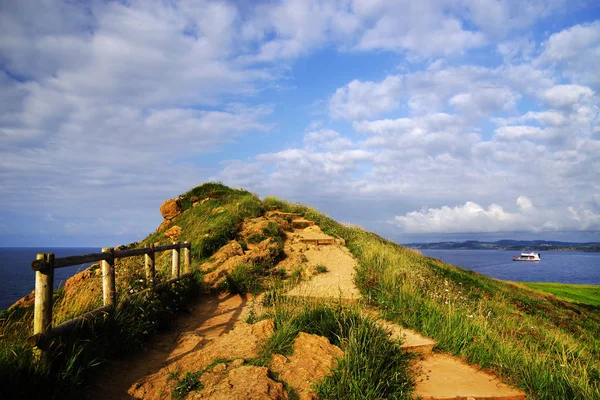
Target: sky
x,y
420,120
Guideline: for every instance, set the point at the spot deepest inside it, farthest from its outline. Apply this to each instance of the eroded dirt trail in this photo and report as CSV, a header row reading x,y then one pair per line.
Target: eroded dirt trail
x,y
210,317
215,330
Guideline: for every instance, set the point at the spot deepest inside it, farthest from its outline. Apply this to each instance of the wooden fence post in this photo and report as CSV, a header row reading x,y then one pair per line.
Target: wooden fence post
x,y
187,258
175,263
44,288
150,269
109,293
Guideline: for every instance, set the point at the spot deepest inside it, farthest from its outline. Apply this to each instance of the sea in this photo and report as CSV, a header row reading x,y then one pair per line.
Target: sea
x,y
18,279
555,266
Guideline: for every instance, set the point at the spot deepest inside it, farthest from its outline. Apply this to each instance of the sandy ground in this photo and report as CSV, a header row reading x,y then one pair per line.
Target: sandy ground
x,y
210,317
338,282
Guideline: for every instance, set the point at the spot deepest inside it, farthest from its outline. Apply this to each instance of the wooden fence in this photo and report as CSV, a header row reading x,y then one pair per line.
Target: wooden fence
x,y
46,263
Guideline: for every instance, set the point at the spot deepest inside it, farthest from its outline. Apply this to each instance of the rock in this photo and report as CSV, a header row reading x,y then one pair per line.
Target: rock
x,y
244,382
26,301
243,342
173,232
231,249
231,255
312,360
163,225
170,208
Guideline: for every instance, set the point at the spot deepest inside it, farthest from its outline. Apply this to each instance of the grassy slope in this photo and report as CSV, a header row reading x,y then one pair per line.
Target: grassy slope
x,y
543,345
207,227
582,294
546,346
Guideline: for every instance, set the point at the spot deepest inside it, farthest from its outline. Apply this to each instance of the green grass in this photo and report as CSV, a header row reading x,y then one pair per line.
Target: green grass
x,y
244,278
321,269
372,366
134,321
582,294
190,382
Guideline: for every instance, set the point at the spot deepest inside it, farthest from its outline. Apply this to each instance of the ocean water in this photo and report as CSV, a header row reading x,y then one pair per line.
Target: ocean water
x,y
18,279
555,266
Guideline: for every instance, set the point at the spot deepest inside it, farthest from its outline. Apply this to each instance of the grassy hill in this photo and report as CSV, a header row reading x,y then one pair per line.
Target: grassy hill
x,y
540,343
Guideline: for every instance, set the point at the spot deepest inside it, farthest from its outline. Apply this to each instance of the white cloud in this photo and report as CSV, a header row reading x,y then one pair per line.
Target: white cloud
x,y
474,91
576,52
483,101
524,203
516,50
327,139
422,31
472,217
112,106
359,100
522,132
566,95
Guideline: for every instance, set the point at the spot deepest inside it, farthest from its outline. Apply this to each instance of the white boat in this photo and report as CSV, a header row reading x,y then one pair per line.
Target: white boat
x,y
527,257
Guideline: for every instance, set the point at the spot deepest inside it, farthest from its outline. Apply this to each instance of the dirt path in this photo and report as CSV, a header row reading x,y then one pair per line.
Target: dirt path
x,y
210,317
207,333
337,282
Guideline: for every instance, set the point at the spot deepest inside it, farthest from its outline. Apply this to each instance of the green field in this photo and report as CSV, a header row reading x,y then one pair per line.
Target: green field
x,y
582,294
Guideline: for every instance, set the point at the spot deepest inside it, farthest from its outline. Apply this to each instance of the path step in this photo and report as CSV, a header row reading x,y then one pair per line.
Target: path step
x,y
440,376
302,223
411,341
325,241
282,214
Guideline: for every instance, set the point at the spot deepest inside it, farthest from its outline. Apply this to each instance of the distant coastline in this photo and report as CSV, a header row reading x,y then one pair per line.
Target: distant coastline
x,y
517,245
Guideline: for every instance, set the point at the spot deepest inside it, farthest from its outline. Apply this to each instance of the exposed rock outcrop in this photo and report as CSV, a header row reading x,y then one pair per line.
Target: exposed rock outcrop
x,y
163,225
236,381
231,255
313,359
173,232
171,208
243,341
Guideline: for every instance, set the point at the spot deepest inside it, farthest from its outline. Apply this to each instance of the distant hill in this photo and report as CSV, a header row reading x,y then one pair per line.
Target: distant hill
x,y
540,245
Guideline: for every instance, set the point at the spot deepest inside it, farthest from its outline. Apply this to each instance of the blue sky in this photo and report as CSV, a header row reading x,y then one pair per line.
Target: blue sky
x,y
429,120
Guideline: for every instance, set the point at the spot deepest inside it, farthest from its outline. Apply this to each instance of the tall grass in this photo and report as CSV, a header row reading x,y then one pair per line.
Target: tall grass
x,y
372,366
134,320
547,347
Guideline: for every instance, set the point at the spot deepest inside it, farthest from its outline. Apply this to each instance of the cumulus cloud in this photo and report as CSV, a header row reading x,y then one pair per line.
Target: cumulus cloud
x,y
359,100
472,217
573,51
566,95
114,106
327,139
473,91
